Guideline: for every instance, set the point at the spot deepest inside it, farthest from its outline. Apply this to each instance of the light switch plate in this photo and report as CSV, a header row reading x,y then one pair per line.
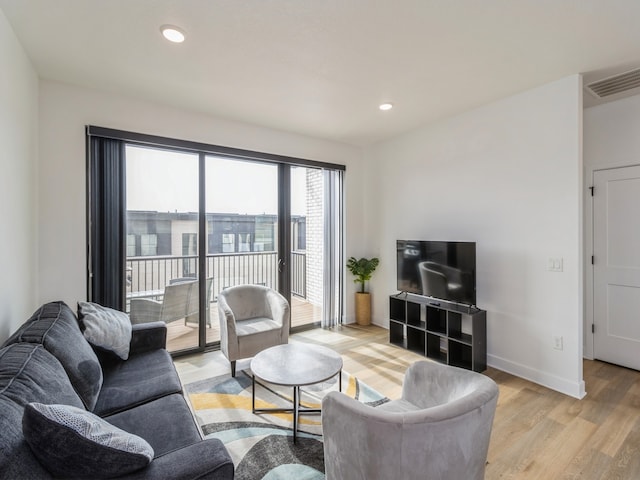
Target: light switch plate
x,y
555,264
557,342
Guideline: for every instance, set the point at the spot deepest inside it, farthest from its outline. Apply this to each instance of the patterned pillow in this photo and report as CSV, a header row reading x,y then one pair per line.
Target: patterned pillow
x,y
106,328
73,443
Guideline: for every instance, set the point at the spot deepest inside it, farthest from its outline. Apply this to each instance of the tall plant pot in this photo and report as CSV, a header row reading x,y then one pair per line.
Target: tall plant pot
x,y
363,308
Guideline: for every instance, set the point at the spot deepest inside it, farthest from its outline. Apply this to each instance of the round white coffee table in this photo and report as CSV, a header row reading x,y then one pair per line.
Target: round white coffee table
x,y
294,365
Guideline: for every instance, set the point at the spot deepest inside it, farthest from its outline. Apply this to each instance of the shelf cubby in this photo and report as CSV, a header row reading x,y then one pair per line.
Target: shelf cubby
x,y
434,348
396,333
397,309
436,320
414,315
460,355
416,340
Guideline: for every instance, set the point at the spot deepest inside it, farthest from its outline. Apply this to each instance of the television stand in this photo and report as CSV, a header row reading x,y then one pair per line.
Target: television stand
x,y
443,331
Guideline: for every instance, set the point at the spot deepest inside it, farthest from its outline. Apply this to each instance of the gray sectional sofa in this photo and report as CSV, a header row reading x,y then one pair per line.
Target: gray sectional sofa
x,y
48,361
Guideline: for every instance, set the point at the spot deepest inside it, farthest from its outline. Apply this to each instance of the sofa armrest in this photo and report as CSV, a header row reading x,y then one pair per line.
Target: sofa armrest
x,y
148,336
207,459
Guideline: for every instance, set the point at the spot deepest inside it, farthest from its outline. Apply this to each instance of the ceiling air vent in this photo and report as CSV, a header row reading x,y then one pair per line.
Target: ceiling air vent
x,y
616,84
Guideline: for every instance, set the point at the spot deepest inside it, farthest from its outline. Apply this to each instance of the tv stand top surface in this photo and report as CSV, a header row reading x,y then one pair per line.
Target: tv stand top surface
x,y
437,302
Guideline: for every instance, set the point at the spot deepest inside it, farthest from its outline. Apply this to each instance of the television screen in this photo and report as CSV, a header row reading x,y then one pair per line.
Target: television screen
x,y
444,270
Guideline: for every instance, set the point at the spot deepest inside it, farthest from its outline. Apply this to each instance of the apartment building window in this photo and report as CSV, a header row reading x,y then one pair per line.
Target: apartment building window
x,y
189,244
131,245
148,244
244,242
265,234
228,243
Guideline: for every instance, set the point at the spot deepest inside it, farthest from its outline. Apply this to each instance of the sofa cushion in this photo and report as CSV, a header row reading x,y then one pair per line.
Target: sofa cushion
x,y
172,427
105,328
140,379
73,443
28,373
54,325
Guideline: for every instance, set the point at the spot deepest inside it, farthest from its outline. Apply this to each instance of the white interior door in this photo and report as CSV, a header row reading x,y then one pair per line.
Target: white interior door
x,y
616,220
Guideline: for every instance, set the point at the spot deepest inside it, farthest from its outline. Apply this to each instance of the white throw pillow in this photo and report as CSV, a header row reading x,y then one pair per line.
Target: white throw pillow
x,y
106,328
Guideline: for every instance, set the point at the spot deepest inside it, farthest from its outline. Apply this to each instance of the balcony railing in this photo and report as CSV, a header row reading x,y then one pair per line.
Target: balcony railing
x,y
152,274
299,274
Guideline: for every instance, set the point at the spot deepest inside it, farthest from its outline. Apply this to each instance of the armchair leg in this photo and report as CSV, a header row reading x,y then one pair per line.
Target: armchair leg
x,y
233,368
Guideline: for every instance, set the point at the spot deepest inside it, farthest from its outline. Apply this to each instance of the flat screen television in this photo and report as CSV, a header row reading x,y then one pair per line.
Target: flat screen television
x,y
442,270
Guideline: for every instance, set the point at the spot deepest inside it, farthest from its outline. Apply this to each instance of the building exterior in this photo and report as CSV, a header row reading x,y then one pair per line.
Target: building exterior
x,y
163,246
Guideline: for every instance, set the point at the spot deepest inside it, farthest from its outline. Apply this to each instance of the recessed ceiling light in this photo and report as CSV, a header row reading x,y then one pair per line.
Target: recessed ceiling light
x,y
386,106
172,33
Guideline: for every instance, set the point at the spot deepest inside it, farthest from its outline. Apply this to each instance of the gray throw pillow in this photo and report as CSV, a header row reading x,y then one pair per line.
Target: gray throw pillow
x,y
73,443
106,328
56,327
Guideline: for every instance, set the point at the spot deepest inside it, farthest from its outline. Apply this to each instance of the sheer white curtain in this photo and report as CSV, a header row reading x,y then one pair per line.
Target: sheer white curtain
x,y
333,245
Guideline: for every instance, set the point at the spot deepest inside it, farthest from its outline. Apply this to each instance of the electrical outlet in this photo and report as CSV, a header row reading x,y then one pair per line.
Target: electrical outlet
x,y
557,342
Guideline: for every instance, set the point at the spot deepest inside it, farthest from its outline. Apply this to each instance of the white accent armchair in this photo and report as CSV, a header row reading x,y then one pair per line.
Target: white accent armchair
x,y
252,318
439,429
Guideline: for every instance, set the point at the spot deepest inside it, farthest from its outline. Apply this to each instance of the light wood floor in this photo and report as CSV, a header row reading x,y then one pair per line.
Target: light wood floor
x,y
537,433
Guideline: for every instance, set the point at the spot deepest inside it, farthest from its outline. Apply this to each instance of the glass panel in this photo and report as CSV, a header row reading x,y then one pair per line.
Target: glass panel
x,y
307,245
162,242
242,226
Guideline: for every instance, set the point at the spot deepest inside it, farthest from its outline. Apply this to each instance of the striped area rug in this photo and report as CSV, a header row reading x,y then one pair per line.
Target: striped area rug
x,y
261,446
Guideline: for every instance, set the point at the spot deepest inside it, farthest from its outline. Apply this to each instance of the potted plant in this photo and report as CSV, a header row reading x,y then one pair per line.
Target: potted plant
x,y
362,269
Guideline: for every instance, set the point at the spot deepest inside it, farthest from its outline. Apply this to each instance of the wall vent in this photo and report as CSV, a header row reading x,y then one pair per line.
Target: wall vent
x,y
616,84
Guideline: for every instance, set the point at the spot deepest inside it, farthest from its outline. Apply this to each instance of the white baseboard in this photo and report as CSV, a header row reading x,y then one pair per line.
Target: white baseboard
x,y
559,384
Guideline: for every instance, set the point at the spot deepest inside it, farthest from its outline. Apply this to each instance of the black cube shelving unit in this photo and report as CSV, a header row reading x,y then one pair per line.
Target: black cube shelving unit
x,y
446,332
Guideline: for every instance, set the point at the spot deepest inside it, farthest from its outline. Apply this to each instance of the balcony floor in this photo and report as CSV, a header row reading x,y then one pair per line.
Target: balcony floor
x,y
181,336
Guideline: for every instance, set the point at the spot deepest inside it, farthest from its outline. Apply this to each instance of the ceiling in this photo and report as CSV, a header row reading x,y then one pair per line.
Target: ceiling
x,y
322,67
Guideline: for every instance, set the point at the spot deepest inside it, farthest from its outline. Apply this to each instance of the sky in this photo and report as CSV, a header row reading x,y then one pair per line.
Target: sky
x,y
166,181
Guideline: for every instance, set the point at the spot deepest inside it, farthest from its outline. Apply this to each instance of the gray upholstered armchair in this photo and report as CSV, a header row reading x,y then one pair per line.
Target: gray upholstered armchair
x,y
439,429
252,318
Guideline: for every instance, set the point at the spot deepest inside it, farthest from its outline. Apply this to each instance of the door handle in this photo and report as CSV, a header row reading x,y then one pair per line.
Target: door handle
x,y
281,264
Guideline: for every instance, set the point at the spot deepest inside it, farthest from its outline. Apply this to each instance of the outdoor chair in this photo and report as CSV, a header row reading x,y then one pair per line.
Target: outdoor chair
x,y
252,318
440,428
180,300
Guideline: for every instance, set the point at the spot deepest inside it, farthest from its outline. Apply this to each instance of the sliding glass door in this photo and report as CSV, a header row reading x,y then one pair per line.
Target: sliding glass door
x,y
172,223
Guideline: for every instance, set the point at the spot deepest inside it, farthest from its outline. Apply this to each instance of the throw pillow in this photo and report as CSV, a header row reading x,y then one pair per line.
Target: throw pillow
x,y
106,328
56,327
74,443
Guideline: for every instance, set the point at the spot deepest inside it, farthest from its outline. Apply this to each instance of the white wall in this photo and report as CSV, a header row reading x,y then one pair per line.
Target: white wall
x,y
611,136
509,177
64,112
611,140
18,138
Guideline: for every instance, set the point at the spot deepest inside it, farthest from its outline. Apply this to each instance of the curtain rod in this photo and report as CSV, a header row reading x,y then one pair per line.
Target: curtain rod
x,y
158,141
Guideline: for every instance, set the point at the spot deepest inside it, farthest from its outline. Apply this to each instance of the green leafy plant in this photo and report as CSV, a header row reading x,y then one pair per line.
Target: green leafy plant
x,y
362,269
